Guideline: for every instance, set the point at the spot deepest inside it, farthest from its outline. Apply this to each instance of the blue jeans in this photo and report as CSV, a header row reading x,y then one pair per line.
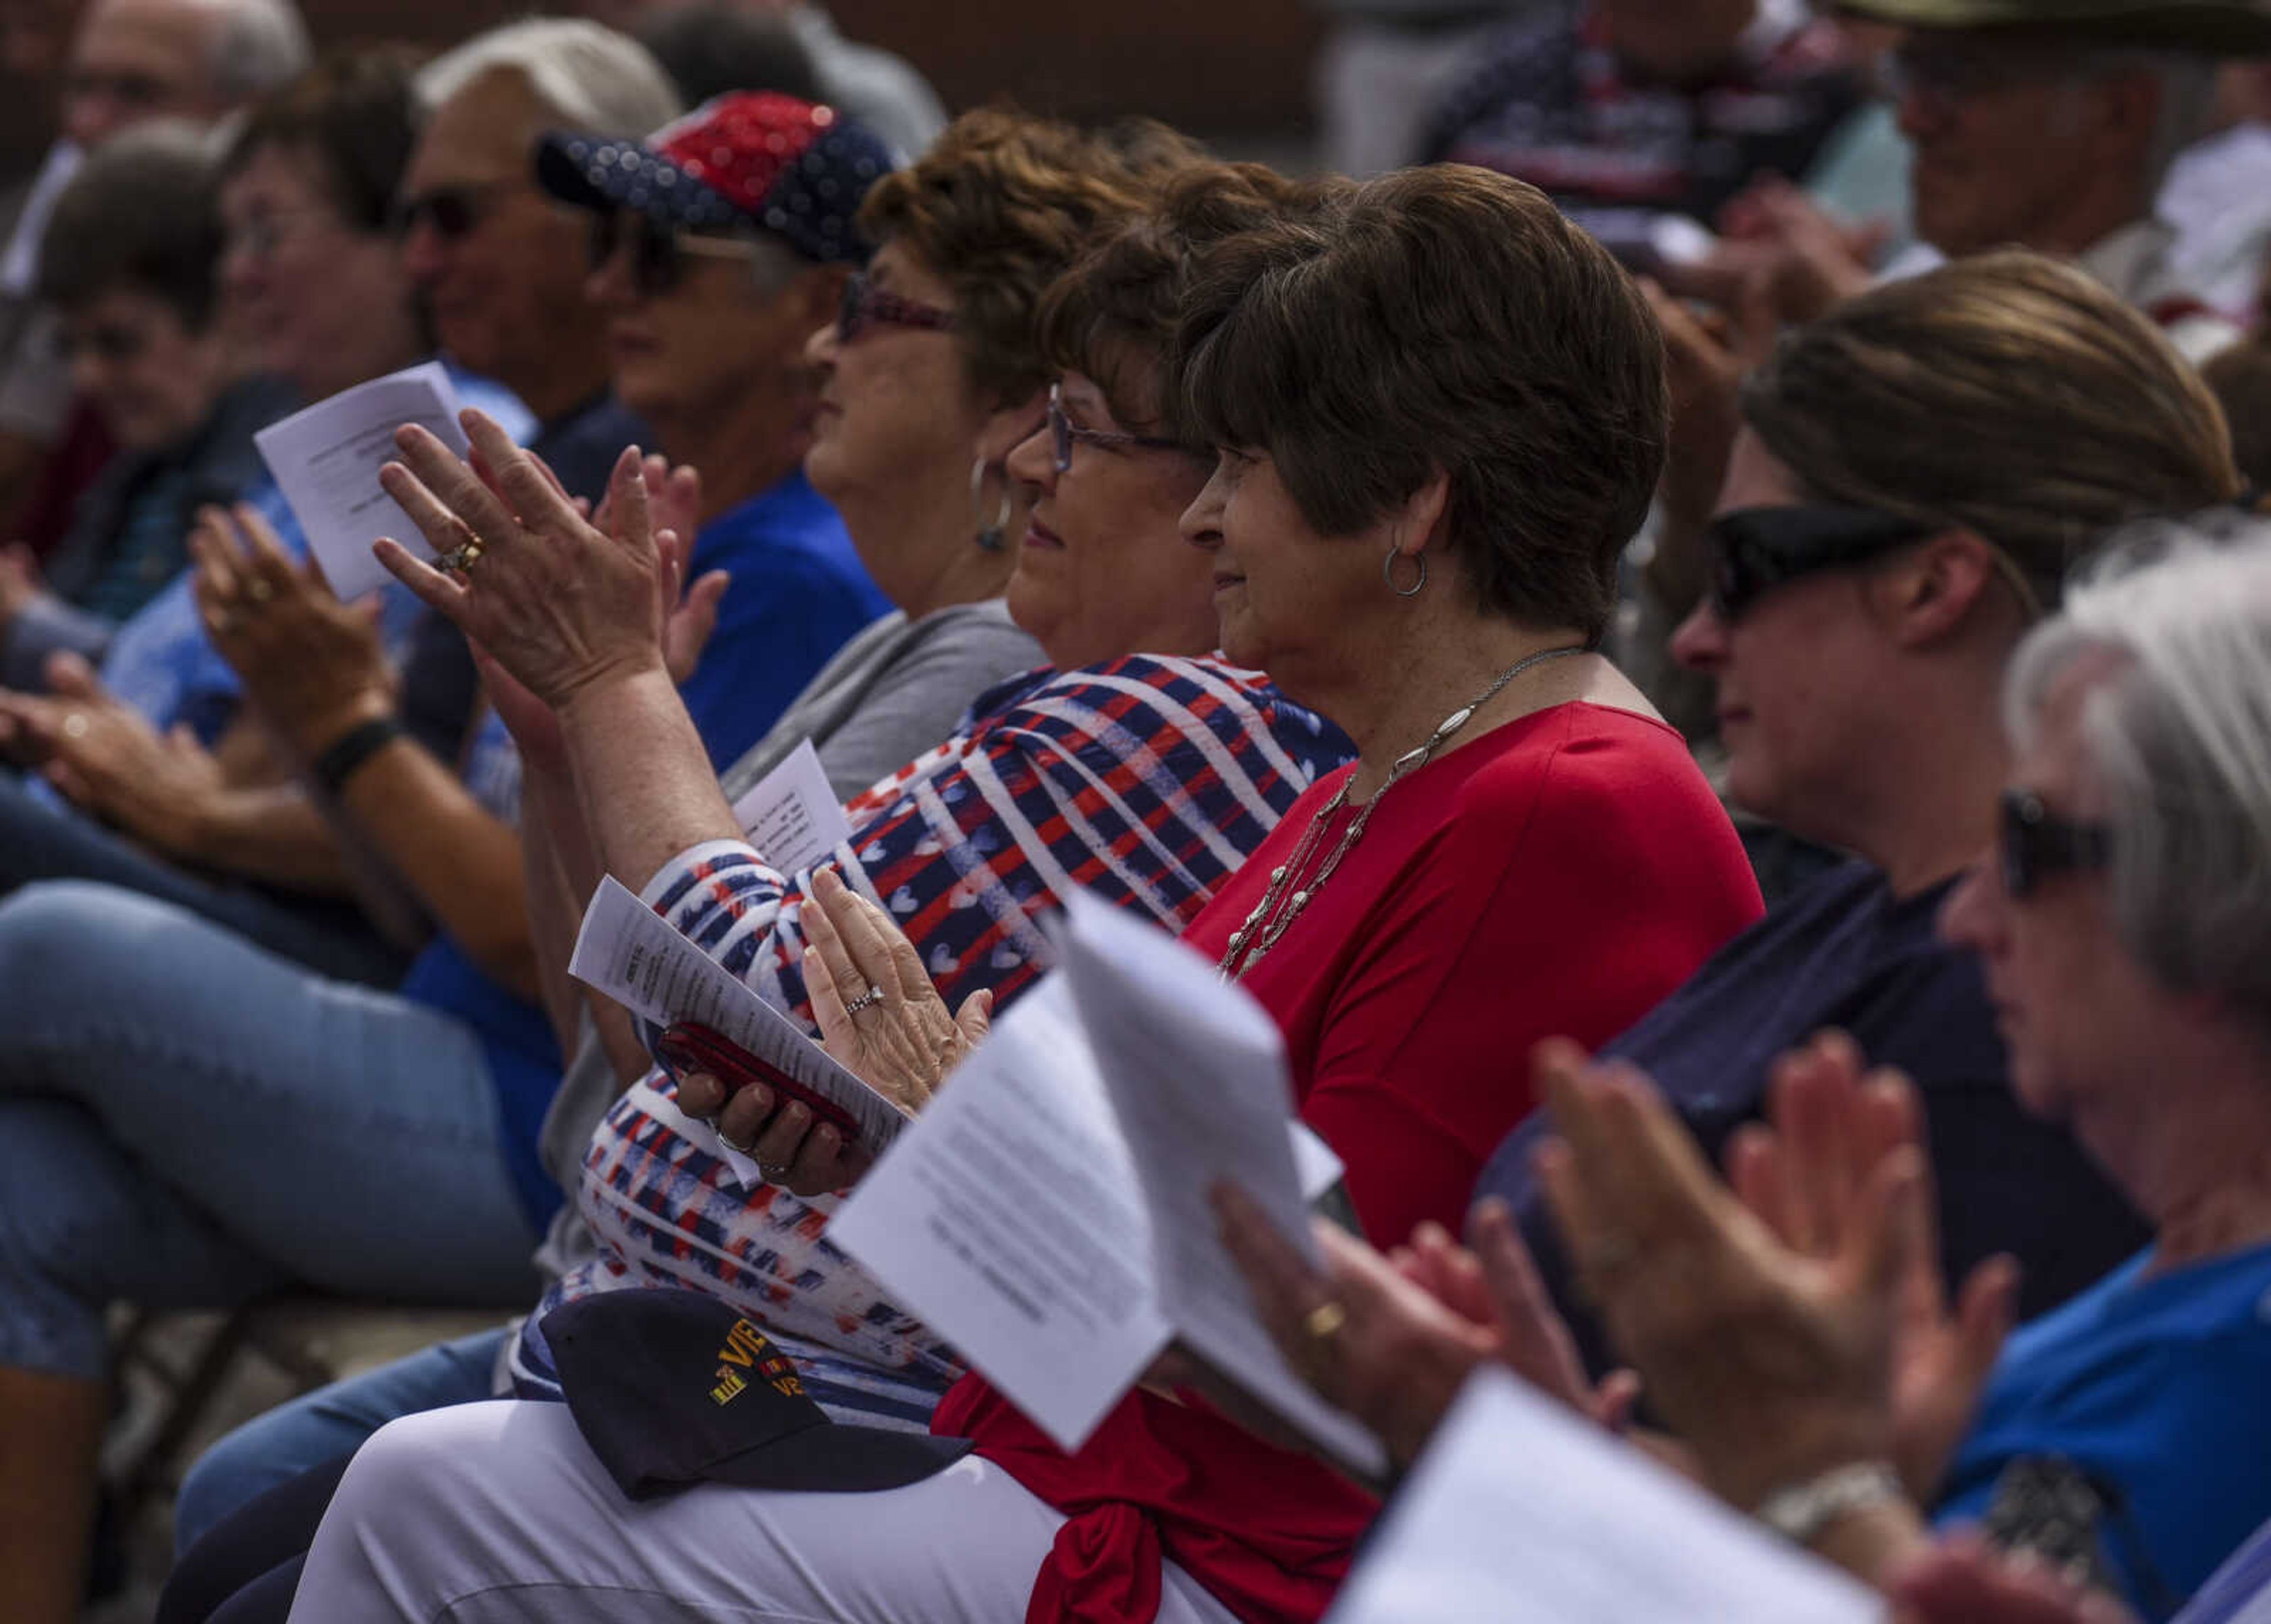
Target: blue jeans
x,y
186,1121
42,841
275,1448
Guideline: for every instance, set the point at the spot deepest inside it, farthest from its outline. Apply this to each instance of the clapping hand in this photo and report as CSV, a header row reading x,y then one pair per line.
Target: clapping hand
x,y
104,755
879,1016
313,667
1831,1122
1772,1363
558,602
1965,1582
1391,1339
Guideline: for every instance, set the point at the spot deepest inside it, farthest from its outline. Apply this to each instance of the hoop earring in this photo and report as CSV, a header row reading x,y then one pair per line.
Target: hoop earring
x,y
990,537
1388,573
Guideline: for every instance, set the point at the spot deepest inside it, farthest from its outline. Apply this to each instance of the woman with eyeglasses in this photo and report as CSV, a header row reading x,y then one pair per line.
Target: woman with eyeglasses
x,y
1411,571
1915,473
1131,763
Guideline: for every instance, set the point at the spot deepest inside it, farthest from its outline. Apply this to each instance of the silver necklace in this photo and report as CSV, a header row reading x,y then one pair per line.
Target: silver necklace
x,y
1276,911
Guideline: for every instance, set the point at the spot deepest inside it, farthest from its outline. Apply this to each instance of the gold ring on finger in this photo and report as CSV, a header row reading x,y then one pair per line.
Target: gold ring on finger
x,y
75,725
462,559
258,590
1324,1323
873,996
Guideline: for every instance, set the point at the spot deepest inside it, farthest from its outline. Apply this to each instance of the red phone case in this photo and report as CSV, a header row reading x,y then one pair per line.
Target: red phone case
x,y
688,1047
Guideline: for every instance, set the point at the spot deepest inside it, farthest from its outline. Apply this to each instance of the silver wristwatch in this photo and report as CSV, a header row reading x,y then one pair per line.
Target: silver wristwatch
x,y
1800,1512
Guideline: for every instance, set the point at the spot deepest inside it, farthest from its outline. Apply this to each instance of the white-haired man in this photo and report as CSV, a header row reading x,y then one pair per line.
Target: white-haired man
x,y
502,266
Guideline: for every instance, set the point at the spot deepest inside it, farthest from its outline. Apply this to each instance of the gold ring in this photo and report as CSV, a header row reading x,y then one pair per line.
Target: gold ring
x,y
1324,1323
462,559
75,725
258,590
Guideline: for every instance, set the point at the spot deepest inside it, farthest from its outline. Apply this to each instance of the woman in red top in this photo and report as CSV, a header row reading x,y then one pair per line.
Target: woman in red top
x,y
1441,415
1442,412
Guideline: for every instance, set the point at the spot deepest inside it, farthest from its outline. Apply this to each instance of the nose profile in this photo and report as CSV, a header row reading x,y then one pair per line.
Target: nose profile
x,y
1700,641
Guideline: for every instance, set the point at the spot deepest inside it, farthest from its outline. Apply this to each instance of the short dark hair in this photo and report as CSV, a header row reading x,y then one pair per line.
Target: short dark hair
x,y
1446,319
355,114
1123,296
711,47
139,215
997,208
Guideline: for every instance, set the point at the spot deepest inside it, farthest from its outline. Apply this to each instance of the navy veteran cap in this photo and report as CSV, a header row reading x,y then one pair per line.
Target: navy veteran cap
x,y
671,1387
755,158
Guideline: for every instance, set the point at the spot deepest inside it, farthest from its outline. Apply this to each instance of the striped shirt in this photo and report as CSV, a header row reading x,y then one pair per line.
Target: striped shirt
x,y
1145,781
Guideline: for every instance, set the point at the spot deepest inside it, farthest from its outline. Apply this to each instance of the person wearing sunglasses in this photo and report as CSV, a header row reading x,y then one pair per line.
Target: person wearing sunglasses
x,y
714,248
499,266
935,368
1915,473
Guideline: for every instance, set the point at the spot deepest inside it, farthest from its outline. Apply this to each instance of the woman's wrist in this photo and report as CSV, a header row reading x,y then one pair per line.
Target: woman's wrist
x,y
312,736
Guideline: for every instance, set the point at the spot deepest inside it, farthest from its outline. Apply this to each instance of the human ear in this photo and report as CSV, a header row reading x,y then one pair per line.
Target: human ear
x,y
1937,590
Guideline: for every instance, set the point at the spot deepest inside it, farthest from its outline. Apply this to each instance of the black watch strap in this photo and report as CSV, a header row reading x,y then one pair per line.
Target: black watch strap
x,y
340,759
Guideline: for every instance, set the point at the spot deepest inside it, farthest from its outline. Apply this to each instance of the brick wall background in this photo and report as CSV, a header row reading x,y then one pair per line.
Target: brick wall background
x,y
1236,70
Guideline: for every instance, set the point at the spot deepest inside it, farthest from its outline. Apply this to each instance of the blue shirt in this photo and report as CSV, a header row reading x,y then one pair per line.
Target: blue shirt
x,y
2159,1385
1844,951
799,593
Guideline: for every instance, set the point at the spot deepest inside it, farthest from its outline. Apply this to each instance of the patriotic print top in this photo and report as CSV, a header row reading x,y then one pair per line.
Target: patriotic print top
x,y
1146,781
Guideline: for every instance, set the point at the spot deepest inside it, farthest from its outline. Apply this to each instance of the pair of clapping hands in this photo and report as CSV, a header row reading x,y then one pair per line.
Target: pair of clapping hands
x,y
1785,1322
305,659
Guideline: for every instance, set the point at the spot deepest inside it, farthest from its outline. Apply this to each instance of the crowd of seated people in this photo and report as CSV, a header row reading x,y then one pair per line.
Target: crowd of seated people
x,y
1321,570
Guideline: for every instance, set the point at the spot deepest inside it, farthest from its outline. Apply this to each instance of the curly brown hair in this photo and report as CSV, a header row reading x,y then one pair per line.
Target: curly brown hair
x,y
997,208
1113,315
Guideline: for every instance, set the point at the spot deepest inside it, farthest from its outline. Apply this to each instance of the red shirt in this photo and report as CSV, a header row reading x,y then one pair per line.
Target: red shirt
x,y
1557,877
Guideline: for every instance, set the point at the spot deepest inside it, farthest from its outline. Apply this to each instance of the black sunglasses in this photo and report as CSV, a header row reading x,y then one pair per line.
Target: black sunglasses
x,y
2037,845
864,305
455,212
1754,550
659,253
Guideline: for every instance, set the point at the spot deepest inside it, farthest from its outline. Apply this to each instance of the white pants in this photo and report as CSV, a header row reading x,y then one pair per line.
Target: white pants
x,y
499,1514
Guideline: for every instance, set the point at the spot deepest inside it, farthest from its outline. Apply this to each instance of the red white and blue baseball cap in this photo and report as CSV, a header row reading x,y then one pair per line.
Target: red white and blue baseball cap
x,y
754,158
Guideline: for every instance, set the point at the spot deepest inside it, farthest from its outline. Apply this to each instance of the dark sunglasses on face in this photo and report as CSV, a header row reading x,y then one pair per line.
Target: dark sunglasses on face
x,y
454,211
864,305
1754,550
2036,844
657,253
1064,433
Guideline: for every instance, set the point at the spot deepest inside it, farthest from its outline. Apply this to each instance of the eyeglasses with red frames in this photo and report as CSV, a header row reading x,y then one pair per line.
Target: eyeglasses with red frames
x,y
1064,433
864,304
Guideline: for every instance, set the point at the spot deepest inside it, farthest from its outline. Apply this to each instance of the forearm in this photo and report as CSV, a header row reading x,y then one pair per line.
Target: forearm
x,y
549,821
274,834
642,776
463,863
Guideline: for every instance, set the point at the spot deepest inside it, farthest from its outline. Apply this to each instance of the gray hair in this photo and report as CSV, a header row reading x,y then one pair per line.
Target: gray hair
x,y
2179,736
587,79
259,46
